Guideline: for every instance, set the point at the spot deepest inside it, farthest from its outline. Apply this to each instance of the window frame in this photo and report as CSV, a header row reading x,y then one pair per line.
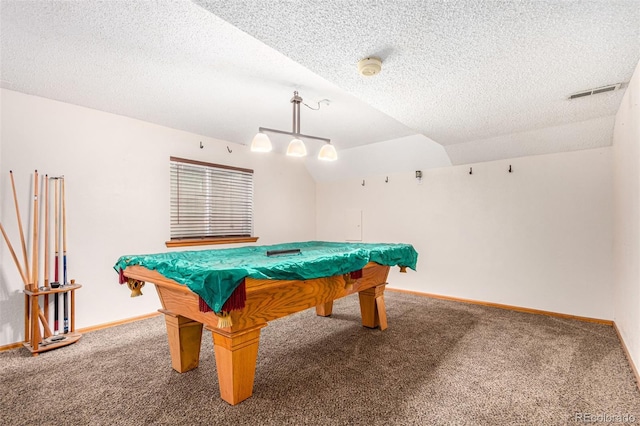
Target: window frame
x,y
208,240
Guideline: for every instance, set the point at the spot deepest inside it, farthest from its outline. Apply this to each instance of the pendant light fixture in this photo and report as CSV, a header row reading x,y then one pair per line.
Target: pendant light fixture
x,y
328,153
261,143
296,148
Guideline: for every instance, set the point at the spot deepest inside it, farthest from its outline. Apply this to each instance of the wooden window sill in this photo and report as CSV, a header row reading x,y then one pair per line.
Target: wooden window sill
x,y
186,242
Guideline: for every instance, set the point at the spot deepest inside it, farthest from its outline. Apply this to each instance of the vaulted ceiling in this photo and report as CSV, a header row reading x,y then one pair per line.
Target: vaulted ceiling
x,y
461,81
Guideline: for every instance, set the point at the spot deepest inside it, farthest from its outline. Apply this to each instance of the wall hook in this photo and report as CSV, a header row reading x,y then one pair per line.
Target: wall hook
x,y
510,168
229,149
386,180
201,146
362,182
470,170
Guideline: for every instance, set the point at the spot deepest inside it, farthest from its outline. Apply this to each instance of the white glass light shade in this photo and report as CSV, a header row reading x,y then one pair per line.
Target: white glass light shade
x,y
328,153
261,143
296,148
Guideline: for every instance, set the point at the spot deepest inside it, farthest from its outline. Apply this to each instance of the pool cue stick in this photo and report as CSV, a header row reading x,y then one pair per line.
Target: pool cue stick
x,y
40,315
24,244
46,245
56,231
34,258
15,258
64,260
45,323
44,316
26,259
24,280
35,307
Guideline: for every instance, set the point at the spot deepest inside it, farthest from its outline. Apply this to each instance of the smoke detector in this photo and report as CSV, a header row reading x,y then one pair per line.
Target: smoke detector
x,y
369,67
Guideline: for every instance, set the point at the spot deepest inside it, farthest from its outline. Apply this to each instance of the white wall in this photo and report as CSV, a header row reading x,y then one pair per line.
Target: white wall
x,y
540,237
117,189
400,155
626,165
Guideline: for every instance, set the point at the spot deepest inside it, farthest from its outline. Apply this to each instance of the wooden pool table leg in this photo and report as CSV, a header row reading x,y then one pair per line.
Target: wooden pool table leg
x,y
372,307
325,309
236,355
185,336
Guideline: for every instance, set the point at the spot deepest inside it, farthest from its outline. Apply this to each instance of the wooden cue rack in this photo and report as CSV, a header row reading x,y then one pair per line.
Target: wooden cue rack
x,y
34,341
34,316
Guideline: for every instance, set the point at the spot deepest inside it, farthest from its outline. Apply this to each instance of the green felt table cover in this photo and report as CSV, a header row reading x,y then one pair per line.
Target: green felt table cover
x,y
215,274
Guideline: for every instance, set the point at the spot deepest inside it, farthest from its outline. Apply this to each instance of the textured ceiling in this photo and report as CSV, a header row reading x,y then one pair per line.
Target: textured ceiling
x,y
461,71
175,64
485,79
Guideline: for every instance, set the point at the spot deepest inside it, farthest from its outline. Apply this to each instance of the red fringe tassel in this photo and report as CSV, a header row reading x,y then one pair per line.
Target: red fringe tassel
x,y
202,305
235,302
121,278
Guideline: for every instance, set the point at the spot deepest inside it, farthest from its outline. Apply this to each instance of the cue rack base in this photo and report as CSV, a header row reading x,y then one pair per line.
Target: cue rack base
x,y
44,346
35,341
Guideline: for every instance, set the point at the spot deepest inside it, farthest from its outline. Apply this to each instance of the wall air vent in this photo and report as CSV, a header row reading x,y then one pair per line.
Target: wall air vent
x,y
595,91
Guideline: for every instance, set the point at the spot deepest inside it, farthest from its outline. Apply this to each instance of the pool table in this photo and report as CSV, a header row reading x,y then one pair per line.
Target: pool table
x,y
236,345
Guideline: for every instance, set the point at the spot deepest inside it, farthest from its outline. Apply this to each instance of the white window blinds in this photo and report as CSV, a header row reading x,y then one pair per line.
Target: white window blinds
x,y
210,200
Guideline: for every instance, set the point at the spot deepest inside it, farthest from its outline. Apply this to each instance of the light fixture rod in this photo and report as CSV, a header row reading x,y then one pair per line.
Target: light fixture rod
x,y
293,119
265,129
296,112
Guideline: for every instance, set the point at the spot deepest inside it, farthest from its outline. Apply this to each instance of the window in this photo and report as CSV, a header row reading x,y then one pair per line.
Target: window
x,y
210,203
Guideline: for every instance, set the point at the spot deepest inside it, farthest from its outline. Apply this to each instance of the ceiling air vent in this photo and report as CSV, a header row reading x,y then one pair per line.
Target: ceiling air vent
x,y
590,92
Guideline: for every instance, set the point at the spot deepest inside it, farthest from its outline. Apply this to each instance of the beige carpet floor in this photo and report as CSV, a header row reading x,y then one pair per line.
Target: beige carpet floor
x,y
438,363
